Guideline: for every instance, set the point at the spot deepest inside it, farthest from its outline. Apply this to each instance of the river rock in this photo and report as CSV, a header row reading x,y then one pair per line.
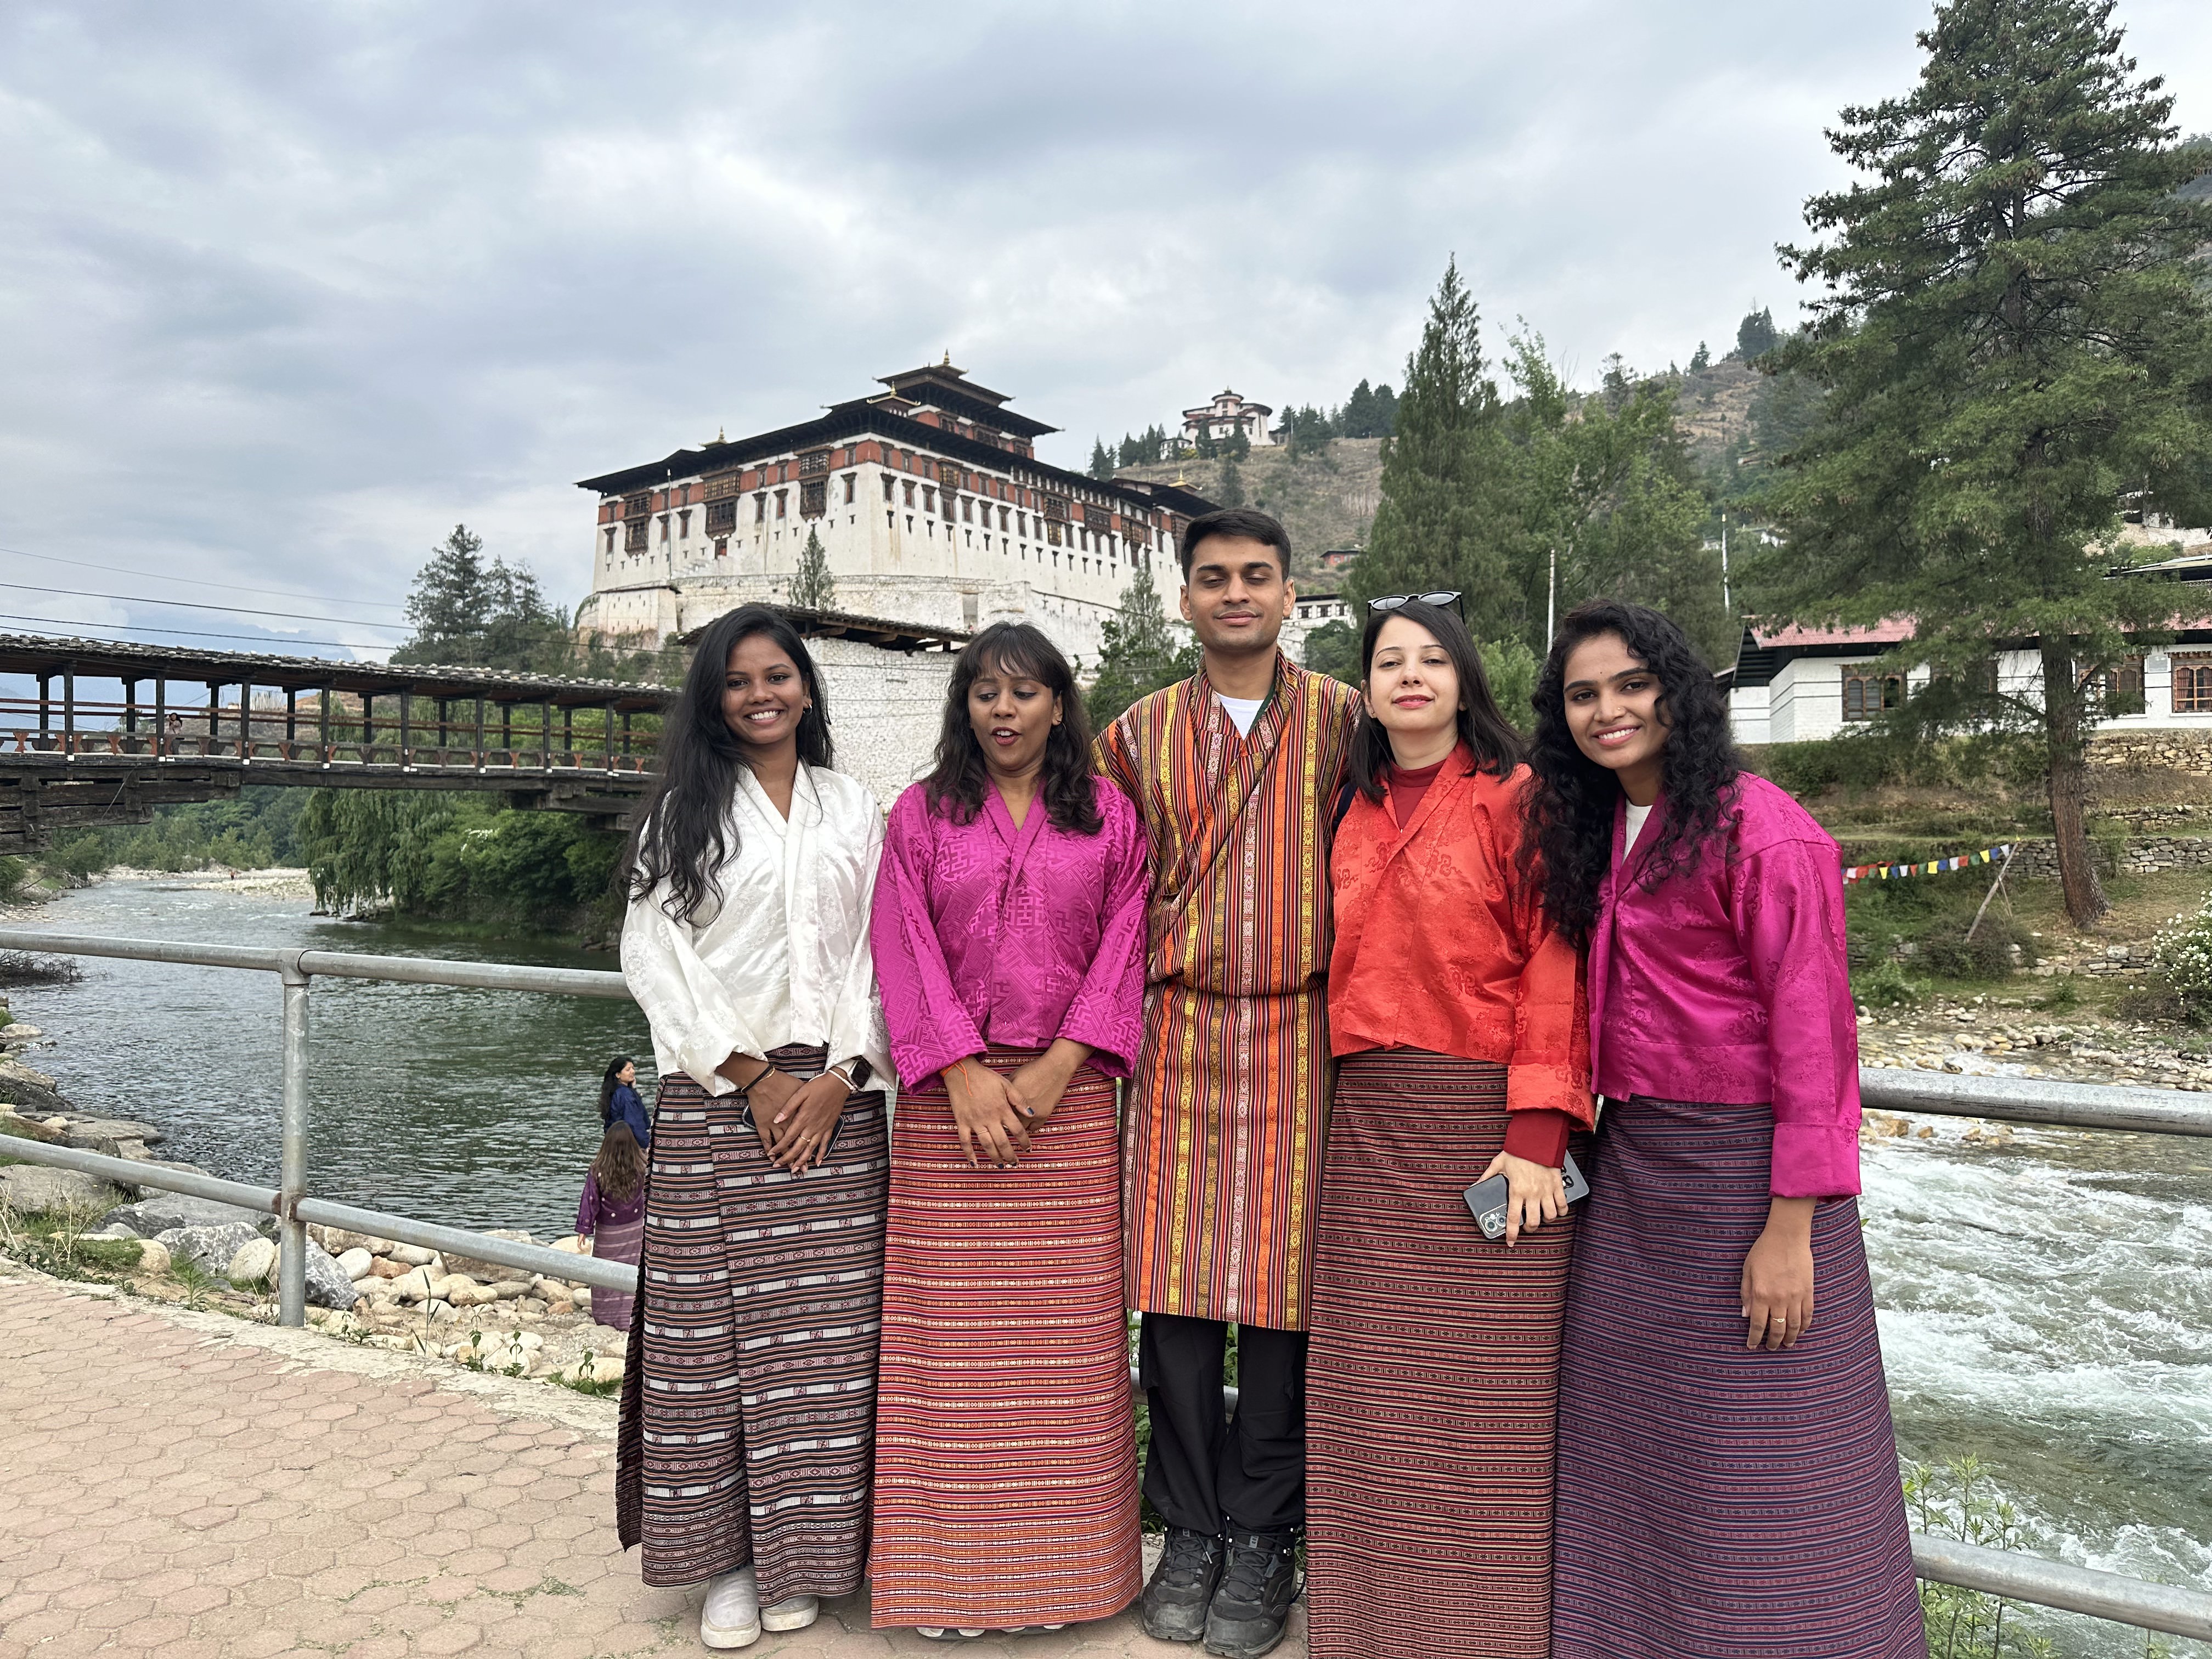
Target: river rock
x,y
153,1256
413,1286
256,1260
598,1368
109,1135
414,1255
356,1263
209,1248
485,1272
384,1267
160,1213
509,1290
37,1190
29,1091
327,1284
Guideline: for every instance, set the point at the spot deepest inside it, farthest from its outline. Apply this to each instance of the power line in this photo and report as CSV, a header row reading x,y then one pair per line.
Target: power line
x,y
198,581
188,633
194,604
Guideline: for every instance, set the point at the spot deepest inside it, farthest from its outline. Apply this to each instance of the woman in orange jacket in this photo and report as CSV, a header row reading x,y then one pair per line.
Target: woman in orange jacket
x,y
1457,1018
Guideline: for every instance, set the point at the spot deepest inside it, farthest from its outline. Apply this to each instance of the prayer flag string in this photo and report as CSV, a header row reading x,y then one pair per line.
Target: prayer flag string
x,y
1931,868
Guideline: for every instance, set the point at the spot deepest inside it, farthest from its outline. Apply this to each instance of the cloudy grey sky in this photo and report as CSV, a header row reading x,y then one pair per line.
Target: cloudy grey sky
x,y
287,289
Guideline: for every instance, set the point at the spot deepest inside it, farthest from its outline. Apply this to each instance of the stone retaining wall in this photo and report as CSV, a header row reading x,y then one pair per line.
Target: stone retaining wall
x,y
2170,748
2037,860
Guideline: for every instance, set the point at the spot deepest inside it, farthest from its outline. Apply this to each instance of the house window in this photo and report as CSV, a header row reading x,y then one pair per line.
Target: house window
x,y
722,547
850,479
910,492
1868,692
1098,518
2122,685
782,507
683,525
967,509
2193,685
1003,525
610,541
813,462
928,499
813,498
888,483
633,536
722,516
760,507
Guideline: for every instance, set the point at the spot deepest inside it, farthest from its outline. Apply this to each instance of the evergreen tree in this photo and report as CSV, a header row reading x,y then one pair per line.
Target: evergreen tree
x,y
1101,463
1140,654
1703,360
1132,453
1229,491
812,586
2012,335
1237,446
1386,411
471,614
1437,524
1756,336
1332,649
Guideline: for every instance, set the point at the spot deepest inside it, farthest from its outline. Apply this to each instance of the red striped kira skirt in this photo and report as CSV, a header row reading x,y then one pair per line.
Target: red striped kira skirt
x,y
1006,1449
1431,1378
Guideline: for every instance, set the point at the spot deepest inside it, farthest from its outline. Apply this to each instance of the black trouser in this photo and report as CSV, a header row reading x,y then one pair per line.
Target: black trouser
x,y
1204,1468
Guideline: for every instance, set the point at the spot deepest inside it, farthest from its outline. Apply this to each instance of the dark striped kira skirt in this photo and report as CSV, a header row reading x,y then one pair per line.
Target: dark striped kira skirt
x,y
1005,1447
1431,1378
749,1409
1716,1503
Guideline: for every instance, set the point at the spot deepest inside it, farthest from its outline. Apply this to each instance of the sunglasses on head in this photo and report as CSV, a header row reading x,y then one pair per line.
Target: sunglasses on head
x,y
1392,601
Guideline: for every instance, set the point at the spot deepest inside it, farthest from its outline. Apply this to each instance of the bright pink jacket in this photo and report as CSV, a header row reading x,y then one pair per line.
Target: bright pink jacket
x,y
1730,984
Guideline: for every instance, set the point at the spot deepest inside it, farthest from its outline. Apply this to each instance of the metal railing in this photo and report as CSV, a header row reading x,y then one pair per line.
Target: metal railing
x,y
2173,1609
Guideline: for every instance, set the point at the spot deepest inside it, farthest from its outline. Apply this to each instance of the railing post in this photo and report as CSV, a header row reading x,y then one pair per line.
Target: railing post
x,y
292,1176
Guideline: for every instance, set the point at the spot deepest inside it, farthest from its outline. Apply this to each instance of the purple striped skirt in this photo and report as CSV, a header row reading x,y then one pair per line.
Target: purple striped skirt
x,y
1716,1503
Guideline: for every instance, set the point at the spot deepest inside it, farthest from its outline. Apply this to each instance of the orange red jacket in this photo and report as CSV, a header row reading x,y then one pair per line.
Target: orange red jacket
x,y
1441,945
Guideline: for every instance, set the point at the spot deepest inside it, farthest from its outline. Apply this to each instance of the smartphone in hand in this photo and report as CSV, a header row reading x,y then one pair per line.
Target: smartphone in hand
x,y
1487,1199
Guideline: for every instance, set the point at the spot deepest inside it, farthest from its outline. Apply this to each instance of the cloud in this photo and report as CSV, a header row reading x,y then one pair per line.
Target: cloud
x,y
289,290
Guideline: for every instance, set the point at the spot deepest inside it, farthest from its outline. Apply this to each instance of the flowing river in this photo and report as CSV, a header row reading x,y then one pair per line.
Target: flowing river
x,y
2045,1306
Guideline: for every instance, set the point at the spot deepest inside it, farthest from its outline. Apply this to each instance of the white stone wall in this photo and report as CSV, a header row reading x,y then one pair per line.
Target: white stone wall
x,y
885,710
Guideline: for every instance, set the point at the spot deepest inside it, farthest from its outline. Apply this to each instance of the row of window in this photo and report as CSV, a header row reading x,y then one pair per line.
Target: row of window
x,y
1868,692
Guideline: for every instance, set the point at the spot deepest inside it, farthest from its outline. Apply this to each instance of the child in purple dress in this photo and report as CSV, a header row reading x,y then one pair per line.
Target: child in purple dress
x,y
612,1215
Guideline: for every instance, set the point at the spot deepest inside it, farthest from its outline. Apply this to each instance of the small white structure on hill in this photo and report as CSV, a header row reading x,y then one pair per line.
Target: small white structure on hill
x,y
1227,415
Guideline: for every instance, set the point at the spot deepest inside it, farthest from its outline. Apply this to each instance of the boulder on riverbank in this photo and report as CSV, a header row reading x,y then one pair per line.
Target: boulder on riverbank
x,y
211,1249
158,1212
32,1093
33,1189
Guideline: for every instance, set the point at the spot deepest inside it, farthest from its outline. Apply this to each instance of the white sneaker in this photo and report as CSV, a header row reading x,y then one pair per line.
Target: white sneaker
x,y
732,1617
793,1612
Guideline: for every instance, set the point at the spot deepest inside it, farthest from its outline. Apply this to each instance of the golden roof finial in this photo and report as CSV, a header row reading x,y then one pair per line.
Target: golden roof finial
x,y
947,363
719,436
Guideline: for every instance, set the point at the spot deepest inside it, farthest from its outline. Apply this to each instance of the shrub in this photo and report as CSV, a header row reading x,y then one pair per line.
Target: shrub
x,y
1887,986
2181,961
1999,944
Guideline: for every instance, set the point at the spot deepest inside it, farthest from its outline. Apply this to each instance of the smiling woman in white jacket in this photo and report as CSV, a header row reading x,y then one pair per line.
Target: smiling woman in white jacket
x,y
748,1411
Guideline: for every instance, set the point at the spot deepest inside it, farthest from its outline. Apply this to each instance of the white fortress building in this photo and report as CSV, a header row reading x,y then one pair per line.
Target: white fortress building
x,y
1226,417
931,508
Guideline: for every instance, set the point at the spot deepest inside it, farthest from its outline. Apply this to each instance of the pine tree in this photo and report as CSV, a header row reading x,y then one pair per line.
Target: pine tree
x,y
1756,336
1229,490
1703,360
1140,654
1437,526
812,586
448,600
1101,463
2012,335
468,613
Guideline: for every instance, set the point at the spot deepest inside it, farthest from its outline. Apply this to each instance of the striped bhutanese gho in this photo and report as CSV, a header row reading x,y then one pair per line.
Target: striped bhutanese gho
x,y
748,1422
1222,1143
1005,1451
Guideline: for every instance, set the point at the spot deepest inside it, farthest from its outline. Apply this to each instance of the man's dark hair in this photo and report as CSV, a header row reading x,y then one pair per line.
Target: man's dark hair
x,y
1243,521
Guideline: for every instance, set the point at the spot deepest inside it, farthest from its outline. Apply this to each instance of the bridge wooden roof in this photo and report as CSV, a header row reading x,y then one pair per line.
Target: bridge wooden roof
x,y
38,654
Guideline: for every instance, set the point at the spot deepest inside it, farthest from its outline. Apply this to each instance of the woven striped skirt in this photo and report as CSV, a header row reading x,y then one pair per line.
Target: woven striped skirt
x,y
749,1406
1716,1503
617,1240
1006,1449
1431,1378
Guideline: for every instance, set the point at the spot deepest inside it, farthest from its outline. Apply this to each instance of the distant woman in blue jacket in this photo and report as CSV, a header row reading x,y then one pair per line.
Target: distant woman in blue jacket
x,y
619,1102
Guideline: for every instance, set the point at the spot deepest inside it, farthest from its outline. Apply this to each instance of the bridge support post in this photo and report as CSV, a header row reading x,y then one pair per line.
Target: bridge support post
x,y
292,1176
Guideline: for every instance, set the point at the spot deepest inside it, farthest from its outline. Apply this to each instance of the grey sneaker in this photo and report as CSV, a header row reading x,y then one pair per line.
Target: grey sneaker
x,y
1181,1587
1259,1583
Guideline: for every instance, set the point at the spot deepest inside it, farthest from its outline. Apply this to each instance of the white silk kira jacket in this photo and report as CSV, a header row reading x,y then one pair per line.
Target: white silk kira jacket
x,y
784,958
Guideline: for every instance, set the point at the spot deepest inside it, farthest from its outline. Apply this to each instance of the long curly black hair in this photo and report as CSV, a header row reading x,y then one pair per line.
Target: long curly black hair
x,y
958,781
1570,811
683,834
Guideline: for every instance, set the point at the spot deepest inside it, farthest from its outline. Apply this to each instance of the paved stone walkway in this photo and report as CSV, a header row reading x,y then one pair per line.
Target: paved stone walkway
x,y
189,1485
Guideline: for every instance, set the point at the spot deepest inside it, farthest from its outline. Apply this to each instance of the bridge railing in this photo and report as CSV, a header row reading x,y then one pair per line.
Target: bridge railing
x,y
422,733
2173,1609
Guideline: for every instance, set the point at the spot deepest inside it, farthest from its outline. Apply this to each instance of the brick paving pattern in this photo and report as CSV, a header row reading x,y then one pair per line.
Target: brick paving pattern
x,y
187,1485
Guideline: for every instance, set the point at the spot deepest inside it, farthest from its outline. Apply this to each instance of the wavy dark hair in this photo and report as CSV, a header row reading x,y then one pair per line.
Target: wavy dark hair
x,y
1482,729
620,1164
1570,810
683,834
955,783
609,1080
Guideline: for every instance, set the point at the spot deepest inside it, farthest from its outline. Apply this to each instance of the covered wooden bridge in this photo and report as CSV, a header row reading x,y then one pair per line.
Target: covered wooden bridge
x,y
94,731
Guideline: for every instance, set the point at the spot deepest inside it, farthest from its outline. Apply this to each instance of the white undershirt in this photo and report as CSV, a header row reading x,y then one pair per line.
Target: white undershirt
x,y
1244,711
1636,817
